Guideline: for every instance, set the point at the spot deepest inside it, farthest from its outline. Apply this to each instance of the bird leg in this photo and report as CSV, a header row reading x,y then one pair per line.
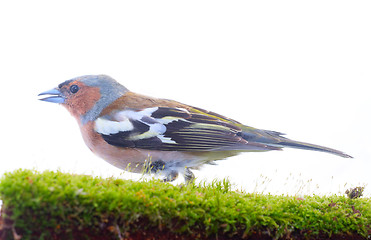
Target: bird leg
x,y
154,167
189,176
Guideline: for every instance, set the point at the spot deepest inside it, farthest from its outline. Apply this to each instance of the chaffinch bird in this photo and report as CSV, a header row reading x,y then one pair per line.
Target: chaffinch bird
x,y
137,132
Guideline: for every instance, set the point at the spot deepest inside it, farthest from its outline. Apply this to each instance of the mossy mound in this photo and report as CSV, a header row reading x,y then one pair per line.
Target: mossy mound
x,y
55,205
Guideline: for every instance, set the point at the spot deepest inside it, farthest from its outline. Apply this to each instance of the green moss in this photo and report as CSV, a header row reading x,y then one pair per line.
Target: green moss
x,y
41,205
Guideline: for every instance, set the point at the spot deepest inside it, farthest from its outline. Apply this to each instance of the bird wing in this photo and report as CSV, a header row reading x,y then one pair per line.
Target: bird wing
x,y
174,129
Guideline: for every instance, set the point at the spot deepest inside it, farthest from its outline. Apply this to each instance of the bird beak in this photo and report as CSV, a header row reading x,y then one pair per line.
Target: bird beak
x,y
56,96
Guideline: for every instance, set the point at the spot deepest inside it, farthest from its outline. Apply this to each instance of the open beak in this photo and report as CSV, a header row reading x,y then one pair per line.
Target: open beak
x,y
55,96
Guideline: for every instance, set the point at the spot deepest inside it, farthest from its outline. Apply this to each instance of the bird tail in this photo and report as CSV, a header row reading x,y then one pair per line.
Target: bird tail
x,y
308,146
275,139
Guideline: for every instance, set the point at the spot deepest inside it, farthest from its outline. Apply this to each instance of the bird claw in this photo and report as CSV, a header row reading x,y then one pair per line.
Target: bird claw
x,y
171,176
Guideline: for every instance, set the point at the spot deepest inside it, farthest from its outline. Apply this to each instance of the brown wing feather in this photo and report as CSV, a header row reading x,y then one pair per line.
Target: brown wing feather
x,y
133,100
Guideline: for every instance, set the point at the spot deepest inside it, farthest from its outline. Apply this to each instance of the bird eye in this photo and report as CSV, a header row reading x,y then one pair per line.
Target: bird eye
x,y
74,88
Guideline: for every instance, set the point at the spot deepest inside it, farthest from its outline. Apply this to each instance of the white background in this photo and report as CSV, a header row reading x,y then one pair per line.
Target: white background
x,y
298,67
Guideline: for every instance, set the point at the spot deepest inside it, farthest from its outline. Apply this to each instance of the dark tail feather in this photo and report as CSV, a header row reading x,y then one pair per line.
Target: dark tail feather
x,y
276,139
308,146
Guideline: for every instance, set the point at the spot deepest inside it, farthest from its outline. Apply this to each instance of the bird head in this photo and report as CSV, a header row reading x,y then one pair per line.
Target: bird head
x,y
85,97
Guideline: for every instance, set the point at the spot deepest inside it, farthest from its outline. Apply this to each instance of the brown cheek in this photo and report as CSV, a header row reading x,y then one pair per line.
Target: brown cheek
x,y
83,101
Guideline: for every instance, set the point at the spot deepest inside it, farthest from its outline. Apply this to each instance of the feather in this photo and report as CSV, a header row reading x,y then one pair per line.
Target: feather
x,y
174,129
171,126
